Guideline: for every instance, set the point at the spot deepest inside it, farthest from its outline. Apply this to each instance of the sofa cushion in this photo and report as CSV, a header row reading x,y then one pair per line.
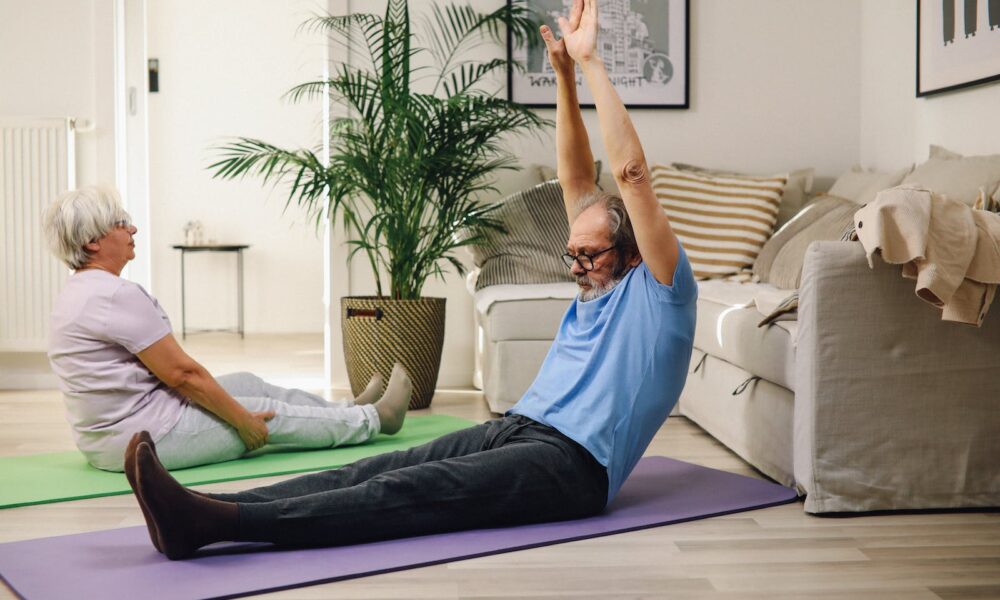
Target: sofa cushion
x,y
955,176
779,305
531,249
523,312
797,190
727,329
755,424
780,260
525,319
509,368
861,186
722,221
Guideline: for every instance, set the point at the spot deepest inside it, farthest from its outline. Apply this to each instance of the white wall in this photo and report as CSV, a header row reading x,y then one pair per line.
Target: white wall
x,y
71,78
896,126
224,66
56,60
774,87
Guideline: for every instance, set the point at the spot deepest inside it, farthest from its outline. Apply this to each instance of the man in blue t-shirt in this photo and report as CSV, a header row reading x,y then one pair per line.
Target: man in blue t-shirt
x,y
611,377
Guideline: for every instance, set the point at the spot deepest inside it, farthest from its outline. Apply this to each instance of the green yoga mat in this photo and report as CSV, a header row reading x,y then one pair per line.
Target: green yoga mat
x,y
63,476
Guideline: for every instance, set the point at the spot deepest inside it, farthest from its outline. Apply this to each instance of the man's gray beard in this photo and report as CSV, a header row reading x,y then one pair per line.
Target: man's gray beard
x,y
596,291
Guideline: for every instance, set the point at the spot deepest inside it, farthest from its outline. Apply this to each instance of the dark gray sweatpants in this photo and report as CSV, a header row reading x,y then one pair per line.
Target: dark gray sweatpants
x,y
509,471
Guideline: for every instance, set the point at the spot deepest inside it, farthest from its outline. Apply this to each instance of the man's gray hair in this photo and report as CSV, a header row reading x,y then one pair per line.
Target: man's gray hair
x,y
78,217
620,232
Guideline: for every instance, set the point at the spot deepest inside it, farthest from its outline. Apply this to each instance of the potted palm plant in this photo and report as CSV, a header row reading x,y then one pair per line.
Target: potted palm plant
x,y
406,167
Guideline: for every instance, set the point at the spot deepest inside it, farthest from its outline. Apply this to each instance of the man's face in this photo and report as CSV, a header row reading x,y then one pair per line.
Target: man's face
x,y
589,235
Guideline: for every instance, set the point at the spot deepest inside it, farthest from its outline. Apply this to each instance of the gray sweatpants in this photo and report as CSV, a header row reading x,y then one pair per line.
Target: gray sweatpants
x,y
509,471
301,419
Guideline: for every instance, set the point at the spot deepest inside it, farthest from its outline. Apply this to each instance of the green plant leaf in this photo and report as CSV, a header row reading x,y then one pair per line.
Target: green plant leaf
x,y
406,170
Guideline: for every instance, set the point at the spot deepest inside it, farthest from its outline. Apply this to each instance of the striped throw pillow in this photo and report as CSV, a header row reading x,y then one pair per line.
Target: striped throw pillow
x,y
531,250
722,222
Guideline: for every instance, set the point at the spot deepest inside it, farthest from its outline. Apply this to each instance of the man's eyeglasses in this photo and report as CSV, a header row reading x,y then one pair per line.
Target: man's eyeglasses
x,y
586,260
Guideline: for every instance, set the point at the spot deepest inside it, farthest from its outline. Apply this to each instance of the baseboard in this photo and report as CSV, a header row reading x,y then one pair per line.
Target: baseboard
x,y
28,381
26,371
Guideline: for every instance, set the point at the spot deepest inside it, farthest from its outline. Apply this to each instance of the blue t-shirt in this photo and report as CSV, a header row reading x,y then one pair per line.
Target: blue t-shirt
x,y
616,368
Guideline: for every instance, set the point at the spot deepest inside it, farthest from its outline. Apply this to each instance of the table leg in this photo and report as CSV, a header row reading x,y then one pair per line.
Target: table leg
x,y
183,309
239,288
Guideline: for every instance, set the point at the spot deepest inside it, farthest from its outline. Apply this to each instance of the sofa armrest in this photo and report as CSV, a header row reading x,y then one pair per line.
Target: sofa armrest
x,y
894,408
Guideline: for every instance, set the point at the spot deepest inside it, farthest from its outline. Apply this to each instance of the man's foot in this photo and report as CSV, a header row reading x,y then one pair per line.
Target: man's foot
x,y
183,520
130,450
371,391
394,402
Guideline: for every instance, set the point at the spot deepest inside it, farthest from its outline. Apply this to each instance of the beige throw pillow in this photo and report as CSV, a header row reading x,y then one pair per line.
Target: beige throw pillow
x,y
942,152
722,222
861,185
797,190
955,176
780,260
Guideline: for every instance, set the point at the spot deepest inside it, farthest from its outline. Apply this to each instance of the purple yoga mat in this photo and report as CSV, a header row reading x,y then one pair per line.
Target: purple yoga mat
x,y
121,563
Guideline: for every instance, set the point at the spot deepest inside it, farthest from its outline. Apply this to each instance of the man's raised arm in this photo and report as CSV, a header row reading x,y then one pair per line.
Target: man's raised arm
x,y
574,160
657,243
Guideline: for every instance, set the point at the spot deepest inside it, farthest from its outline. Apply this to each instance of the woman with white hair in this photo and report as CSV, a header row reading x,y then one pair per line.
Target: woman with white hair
x,y
122,371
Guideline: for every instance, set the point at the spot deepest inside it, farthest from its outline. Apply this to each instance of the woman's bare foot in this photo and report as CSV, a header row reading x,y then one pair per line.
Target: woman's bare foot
x,y
371,391
395,401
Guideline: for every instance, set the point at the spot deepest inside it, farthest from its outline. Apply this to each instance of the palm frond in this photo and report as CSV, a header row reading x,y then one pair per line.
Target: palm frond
x,y
406,170
347,29
452,29
246,156
467,75
395,50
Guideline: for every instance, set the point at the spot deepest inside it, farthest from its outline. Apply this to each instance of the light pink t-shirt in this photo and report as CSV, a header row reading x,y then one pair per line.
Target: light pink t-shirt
x,y
98,324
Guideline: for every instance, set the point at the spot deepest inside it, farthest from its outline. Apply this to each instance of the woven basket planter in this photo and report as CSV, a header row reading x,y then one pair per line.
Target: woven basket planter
x,y
378,332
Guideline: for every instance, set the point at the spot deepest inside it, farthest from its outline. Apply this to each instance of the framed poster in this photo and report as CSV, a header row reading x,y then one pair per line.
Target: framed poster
x,y
958,44
644,45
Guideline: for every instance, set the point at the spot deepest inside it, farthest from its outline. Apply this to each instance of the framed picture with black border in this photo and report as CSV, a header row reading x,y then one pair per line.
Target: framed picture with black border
x,y
644,44
958,44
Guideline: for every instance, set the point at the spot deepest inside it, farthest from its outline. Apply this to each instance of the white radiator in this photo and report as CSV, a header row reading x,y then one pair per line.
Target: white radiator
x,y
37,163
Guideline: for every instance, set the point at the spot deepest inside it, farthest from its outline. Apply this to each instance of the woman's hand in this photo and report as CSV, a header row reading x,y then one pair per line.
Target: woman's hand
x,y
558,56
579,32
174,367
253,429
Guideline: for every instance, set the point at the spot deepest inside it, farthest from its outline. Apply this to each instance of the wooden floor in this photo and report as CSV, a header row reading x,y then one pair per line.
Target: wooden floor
x,y
772,553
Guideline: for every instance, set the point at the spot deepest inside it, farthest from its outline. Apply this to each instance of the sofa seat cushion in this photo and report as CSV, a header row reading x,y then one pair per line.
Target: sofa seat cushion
x,y
727,329
755,424
523,312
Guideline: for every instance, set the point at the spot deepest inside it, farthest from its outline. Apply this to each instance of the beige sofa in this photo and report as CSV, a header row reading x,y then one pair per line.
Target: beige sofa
x,y
867,402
